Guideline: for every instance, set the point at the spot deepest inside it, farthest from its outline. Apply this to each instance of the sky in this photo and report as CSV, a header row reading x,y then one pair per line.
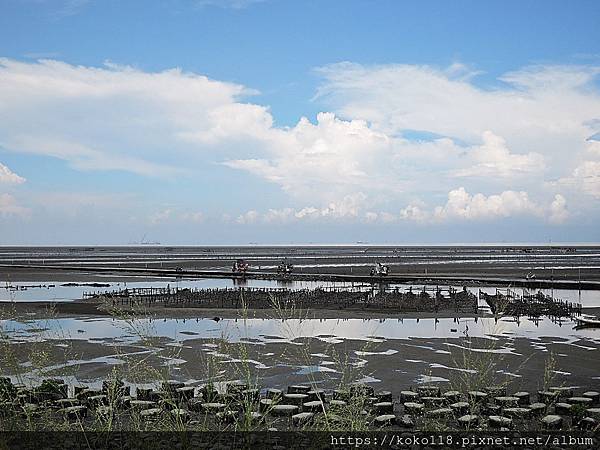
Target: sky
x,y
198,122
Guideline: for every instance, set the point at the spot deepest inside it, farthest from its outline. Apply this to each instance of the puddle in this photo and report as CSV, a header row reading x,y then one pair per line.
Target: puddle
x,y
510,374
368,379
306,370
387,352
441,366
424,379
499,351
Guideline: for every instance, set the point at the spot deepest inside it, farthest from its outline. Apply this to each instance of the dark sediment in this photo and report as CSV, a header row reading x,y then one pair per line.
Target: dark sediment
x,y
551,263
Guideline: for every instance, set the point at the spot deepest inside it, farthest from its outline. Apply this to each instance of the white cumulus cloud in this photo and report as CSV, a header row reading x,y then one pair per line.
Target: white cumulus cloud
x,y
356,161
493,158
343,155
462,205
248,218
414,213
558,210
9,177
116,117
585,177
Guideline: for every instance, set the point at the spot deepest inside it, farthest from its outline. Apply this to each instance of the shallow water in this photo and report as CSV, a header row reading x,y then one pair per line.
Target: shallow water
x,y
260,331
392,352
29,292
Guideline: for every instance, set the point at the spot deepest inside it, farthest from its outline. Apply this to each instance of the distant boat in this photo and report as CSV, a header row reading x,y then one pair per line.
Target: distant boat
x,y
587,321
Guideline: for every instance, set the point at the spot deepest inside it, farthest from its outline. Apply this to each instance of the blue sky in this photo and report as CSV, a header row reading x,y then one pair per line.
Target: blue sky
x,y
235,121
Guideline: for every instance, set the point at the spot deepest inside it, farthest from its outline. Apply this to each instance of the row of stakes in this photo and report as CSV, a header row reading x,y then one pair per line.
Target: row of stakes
x,y
301,404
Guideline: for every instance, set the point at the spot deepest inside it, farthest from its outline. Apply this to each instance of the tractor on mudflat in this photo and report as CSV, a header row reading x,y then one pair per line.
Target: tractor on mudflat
x,y
285,268
380,270
240,266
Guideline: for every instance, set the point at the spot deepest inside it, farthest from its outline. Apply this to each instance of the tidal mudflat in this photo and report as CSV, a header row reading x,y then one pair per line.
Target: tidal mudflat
x,y
393,353
50,334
